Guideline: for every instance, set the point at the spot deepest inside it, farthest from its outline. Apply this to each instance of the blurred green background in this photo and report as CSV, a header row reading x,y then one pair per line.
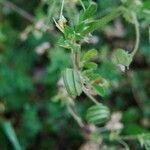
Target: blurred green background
x,y
31,63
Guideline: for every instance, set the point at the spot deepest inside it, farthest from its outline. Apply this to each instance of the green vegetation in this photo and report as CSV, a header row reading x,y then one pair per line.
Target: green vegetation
x,y
74,74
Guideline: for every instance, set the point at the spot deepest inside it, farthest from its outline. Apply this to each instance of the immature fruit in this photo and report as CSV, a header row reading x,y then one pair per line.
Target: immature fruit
x,y
72,82
98,114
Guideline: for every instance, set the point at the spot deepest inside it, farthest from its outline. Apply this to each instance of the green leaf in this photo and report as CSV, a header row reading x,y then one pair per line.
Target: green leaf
x,y
122,57
131,115
146,5
98,114
64,43
78,36
99,89
133,129
100,23
90,65
92,75
89,55
68,32
128,15
80,27
10,134
90,11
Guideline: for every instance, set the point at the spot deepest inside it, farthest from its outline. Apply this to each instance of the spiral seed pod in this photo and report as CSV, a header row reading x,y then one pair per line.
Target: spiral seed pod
x,y
72,82
98,114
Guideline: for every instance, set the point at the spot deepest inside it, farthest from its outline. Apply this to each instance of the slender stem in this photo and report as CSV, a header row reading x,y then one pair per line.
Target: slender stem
x,y
89,95
77,58
85,90
82,4
73,59
62,7
137,31
75,116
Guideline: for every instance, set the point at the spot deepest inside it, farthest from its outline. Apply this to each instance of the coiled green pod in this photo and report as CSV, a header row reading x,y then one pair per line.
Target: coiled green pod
x,y
72,82
98,114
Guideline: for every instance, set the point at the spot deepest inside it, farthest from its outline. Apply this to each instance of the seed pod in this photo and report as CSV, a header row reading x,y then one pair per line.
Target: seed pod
x,y
72,82
98,114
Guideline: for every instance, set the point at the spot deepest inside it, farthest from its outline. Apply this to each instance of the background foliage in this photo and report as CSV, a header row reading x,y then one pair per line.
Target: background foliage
x,y
31,62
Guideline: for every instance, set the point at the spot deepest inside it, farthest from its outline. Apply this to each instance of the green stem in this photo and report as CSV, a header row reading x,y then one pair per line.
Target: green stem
x,y
75,116
85,90
62,7
77,59
76,62
137,31
75,55
90,96
73,59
